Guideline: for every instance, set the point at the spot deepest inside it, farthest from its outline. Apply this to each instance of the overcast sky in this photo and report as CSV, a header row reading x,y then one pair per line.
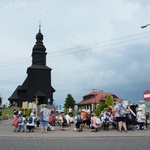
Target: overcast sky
x,y
90,44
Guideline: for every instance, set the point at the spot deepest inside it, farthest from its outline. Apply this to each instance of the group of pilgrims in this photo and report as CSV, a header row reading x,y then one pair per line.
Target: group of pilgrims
x,y
120,117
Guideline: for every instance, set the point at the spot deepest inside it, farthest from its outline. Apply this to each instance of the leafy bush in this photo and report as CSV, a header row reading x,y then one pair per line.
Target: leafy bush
x,y
26,112
100,108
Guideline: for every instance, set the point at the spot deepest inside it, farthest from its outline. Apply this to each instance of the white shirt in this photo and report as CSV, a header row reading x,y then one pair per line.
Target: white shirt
x,y
23,120
119,109
33,122
68,119
46,113
140,114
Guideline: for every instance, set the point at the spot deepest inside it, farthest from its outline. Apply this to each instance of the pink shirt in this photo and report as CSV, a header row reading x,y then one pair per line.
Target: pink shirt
x,y
93,120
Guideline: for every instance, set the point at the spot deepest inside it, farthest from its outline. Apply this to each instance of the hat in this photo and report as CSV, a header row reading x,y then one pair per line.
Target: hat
x,y
139,109
83,110
140,101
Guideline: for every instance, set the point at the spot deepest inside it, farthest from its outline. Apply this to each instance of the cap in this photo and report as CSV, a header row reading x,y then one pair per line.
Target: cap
x,y
139,109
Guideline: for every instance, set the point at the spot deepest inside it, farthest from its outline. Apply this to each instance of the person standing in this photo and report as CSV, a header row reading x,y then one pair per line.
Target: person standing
x,y
142,106
133,110
45,113
120,114
48,101
16,111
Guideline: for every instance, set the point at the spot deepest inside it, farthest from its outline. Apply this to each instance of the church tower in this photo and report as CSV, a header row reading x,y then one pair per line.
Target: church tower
x,y
38,81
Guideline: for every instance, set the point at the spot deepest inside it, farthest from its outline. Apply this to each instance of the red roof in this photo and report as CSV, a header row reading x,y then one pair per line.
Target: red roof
x,y
95,97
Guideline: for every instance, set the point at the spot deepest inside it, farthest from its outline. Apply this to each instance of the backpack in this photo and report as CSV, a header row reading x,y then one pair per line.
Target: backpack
x,y
97,121
84,115
51,119
79,118
20,119
15,122
30,120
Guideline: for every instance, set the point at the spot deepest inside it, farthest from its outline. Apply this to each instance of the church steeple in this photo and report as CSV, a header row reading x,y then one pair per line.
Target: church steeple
x,y
39,36
38,52
38,81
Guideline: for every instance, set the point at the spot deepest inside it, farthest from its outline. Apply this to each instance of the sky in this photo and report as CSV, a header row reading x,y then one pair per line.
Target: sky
x,y
90,44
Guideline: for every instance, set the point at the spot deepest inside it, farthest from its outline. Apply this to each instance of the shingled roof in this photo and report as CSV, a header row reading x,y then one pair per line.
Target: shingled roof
x,y
95,97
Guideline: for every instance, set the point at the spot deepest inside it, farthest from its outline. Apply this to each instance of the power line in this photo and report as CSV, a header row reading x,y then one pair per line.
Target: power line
x,y
104,44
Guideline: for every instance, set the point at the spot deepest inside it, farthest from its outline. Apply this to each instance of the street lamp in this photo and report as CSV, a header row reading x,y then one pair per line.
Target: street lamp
x,y
145,26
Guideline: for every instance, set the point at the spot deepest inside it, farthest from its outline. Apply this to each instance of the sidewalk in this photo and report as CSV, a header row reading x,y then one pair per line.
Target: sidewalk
x,y
6,131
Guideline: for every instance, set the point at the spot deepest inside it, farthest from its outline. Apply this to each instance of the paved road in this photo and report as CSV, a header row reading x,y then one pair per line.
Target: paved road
x,y
6,131
113,143
72,140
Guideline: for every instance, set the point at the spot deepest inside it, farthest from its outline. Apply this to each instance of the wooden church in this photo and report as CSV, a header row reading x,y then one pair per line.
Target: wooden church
x,y
37,85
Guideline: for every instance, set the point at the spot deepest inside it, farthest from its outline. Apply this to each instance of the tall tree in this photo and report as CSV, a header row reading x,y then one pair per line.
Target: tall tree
x,y
109,100
0,100
69,102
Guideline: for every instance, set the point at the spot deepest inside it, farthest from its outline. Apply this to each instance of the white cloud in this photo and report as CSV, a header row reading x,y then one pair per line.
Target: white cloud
x,y
90,44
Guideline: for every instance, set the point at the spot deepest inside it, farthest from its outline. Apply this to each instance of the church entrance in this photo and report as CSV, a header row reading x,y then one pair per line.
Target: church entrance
x,y
41,100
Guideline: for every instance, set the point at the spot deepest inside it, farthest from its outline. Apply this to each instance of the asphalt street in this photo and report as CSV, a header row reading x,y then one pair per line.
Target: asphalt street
x,y
106,143
72,140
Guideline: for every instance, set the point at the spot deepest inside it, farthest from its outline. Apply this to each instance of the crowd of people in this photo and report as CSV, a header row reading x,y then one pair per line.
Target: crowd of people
x,y
120,117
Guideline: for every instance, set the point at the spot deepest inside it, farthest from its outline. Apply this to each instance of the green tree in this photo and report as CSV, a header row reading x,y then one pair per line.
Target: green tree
x,y
97,111
0,100
69,102
109,100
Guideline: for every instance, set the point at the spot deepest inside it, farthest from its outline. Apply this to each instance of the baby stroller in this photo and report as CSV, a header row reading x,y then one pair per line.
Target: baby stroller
x,y
129,121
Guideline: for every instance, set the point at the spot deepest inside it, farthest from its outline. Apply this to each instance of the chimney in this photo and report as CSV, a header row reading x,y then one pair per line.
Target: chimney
x,y
94,90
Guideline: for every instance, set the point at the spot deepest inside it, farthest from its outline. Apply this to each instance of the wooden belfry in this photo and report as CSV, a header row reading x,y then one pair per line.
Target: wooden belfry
x,y
38,81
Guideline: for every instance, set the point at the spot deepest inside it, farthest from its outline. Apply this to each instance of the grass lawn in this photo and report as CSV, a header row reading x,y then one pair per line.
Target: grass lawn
x,y
7,112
